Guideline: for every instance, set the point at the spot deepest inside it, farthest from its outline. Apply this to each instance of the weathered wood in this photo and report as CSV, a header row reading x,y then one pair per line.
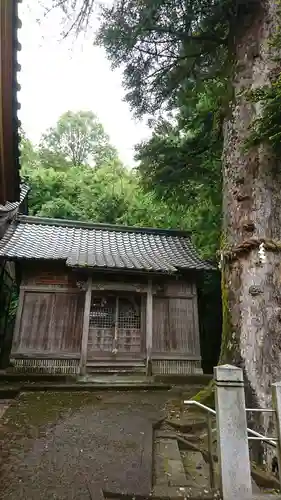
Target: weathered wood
x,y
35,323
120,286
9,152
177,288
189,296
174,326
48,274
18,319
175,356
149,326
44,355
86,323
49,323
54,323
50,288
67,321
115,325
143,323
195,330
115,339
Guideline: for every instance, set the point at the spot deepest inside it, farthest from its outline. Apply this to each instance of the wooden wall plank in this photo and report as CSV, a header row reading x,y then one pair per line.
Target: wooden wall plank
x,y
177,288
173,326
86,324
149,326
181,325
160,323
196,331
50,322
143,323
16,335
35,321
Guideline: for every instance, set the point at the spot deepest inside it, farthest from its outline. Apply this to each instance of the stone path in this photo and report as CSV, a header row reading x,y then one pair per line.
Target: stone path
x,y
4,405
106,441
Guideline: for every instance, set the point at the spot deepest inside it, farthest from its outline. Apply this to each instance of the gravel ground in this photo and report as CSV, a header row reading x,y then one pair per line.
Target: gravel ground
x,y
57,445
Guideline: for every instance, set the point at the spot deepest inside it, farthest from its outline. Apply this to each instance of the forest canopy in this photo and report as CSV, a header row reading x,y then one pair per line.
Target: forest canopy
x,y
108,192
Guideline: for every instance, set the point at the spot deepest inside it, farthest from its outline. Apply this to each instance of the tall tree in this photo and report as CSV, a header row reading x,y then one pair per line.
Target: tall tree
x,y
252,217
79,139
173,47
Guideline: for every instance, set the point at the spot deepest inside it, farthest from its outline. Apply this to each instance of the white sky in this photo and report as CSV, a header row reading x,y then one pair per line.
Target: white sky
x,y
60,75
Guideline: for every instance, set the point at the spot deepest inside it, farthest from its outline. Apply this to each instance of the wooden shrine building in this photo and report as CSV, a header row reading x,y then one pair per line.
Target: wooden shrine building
x,y
97,297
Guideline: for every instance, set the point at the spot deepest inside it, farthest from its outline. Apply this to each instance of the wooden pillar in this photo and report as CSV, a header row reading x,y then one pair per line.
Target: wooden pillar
x,y
149,327
86,322
115,339
16,335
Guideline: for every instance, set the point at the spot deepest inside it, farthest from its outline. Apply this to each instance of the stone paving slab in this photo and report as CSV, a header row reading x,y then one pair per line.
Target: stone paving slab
x,y
173,492
109,443
96,387
169,468
4,405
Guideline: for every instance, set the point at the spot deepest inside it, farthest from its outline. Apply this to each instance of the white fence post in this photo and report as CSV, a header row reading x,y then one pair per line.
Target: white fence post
x,y
276,399
232,433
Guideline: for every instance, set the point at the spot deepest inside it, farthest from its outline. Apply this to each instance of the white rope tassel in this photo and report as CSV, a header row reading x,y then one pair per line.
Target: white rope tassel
x,y
262,254
221,261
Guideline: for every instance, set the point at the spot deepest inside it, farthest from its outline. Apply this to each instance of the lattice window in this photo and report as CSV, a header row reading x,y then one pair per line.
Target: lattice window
x,y
129,313
103,311
115,324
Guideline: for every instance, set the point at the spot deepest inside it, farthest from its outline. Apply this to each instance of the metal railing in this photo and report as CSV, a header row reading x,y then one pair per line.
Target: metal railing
x,y
254,435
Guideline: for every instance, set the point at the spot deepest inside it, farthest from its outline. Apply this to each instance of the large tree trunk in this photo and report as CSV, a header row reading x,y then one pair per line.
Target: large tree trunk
x,y
252,210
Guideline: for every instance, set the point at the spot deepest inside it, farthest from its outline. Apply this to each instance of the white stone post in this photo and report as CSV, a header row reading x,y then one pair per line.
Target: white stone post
x,y
276,398
232,437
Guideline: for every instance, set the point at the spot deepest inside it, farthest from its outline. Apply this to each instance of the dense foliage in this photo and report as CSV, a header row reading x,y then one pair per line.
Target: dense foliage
x,y
111,193
267,127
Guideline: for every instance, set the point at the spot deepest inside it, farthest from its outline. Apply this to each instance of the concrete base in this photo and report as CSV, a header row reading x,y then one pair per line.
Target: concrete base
x,y
262,497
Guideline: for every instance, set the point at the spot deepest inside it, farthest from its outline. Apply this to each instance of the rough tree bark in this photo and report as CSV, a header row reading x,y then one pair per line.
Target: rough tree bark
x,y
251,289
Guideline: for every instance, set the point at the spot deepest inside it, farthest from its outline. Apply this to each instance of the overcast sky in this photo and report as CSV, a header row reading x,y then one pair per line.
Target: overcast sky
x,y
58,76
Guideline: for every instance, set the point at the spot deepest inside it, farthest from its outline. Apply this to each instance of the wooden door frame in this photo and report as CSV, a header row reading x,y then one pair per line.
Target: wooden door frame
x,y
147,291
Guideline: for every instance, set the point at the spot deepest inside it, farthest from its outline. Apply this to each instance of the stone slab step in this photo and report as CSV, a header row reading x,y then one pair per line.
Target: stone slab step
x,y
4,405
175,496
172,435
168,466
119,362
9,392
186,492
178,494
197,470
120,366
113,370
92,387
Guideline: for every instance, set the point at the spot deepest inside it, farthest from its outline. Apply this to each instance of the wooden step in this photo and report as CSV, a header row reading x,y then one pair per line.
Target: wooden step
x,y
118,366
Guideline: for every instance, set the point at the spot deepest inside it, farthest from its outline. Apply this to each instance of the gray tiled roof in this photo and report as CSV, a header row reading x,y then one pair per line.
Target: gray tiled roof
x,y
10,206
100,246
